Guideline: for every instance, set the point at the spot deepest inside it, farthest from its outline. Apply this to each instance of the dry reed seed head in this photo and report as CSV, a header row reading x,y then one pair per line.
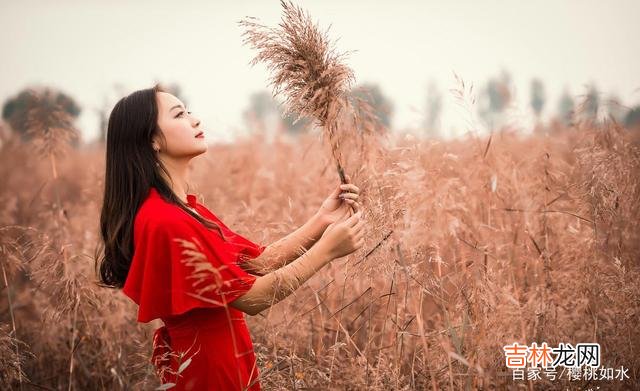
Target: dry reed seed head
x,y
48,123
16,248
304,65
15,354
203,270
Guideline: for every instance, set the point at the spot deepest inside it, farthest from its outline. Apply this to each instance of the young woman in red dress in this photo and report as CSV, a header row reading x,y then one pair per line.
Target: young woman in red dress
x,y
180,263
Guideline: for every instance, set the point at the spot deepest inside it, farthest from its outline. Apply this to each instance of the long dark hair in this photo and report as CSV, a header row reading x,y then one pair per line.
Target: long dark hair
x,y
132,168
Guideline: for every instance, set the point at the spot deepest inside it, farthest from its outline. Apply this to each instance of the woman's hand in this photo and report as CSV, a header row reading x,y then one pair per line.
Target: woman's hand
x,y
340,201
344,236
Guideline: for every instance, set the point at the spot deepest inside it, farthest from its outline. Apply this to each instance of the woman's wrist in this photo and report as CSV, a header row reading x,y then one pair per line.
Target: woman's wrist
x,y
320,221
323,251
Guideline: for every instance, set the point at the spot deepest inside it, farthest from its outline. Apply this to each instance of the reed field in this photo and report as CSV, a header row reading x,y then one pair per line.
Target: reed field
x,y
472,244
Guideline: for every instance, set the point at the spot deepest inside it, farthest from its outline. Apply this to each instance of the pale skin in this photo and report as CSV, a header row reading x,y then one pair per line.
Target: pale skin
x,y
334,231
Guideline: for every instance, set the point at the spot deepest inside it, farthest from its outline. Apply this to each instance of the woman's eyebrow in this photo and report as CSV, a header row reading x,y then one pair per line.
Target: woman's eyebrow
x,y
175,107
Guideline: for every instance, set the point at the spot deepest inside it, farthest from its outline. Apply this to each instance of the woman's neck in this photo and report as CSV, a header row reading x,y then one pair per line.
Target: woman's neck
x,y
178,170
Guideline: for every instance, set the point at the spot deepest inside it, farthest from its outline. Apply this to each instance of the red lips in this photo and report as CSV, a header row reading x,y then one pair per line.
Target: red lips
x,y
199,134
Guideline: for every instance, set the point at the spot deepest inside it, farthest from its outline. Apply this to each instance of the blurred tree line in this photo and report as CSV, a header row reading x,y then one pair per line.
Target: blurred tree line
x,y
495,98
267,113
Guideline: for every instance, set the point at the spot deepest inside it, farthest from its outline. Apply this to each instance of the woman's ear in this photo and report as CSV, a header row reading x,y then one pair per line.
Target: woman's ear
x,y
155,145
158,142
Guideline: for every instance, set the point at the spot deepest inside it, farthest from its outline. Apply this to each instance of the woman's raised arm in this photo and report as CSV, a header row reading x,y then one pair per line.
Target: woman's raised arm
x,y
340,239
343,199
287,249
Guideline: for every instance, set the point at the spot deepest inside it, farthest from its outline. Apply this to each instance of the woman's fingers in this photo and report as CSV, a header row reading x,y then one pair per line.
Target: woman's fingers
x,y
352,202
345,214
352,196
350,187
353,205
359,226
353,220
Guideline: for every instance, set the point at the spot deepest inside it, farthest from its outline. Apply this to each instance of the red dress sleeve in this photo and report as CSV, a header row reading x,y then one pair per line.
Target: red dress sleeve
x,y
178,265
247,248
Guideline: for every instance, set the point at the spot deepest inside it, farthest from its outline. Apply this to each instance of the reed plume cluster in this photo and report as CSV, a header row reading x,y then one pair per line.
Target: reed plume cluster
x,y
305,66
306,69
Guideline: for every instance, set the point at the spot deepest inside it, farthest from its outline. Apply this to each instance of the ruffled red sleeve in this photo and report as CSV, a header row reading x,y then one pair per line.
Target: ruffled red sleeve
x,y
178,265
243,248
247,248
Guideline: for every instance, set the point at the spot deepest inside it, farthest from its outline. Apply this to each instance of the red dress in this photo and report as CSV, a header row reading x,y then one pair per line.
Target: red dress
x,y
189,286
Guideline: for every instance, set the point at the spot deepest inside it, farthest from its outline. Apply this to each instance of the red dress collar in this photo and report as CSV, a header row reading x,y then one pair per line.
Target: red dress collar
x,y
191,200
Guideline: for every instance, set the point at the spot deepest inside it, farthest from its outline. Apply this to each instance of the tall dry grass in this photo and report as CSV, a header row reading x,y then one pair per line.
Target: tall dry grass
x,y
472,245
520,239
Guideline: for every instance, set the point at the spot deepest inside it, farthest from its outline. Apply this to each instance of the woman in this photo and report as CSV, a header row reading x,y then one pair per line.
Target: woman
x,y
175,259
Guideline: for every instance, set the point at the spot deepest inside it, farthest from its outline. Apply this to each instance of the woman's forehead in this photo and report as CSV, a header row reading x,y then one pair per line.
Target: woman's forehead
x,y
168,101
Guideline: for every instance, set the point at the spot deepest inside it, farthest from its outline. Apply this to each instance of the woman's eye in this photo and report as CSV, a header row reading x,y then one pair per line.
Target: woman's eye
x,y
182,112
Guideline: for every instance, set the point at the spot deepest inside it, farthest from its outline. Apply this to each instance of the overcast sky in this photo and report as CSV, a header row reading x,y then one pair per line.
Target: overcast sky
x,y
86,47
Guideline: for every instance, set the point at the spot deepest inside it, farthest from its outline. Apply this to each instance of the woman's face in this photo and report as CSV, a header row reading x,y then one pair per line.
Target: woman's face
x,y
183,137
